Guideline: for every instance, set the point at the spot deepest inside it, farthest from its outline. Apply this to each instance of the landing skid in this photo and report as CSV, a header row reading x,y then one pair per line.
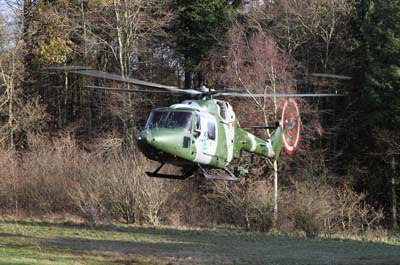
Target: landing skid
x,y
207,175
187,173
155,174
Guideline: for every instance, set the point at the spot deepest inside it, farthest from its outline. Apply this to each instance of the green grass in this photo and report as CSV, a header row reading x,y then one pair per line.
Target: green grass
x,y
35,242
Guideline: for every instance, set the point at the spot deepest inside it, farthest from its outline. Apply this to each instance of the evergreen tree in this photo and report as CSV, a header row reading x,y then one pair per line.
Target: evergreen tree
x,y
200,25
380,39
381,31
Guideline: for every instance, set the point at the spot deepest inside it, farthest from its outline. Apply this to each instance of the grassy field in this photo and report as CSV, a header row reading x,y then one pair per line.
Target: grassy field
x,y
35,242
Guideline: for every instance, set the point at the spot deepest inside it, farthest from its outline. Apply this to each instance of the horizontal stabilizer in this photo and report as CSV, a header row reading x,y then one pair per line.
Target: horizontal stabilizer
x,y
276,125
263,127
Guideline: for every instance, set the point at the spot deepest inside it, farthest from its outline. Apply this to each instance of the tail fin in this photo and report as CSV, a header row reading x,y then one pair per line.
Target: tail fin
x,y
276,142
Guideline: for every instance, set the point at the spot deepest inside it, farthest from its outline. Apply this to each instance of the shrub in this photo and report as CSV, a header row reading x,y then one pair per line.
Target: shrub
x,y
117,186
57,176
8,182
247,204
315,208
309,207
47,171
354,214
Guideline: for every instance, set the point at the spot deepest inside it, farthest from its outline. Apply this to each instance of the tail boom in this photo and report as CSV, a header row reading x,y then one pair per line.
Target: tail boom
x,y
270,148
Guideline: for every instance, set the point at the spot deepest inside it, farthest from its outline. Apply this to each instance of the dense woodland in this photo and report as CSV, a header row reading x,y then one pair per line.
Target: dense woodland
x,y
69,150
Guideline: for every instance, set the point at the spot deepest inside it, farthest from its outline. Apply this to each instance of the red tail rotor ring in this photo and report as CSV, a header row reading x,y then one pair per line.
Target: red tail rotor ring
x,y
290,125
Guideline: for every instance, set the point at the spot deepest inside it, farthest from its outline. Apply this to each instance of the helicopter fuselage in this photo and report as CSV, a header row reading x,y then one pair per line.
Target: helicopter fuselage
x,y
201,132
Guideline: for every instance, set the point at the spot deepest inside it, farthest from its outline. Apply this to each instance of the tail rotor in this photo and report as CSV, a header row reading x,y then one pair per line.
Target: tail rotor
x,y
290,125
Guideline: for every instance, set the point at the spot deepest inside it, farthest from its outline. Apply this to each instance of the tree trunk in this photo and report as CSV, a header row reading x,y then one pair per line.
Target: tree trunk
x,y
393,195
188,79
27,20
120,38
199,80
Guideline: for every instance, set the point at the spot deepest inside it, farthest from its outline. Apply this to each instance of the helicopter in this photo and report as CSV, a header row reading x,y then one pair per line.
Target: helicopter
x,y
203,132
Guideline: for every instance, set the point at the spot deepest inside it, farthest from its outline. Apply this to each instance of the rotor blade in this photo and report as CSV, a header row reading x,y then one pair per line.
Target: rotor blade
x,y
276,95
130,90
115,77
67,68
239,89
244,89
342,77
86,71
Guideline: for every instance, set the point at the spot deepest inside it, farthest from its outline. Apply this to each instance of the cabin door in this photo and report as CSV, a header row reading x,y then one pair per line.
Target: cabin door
x,y
206,138
209,136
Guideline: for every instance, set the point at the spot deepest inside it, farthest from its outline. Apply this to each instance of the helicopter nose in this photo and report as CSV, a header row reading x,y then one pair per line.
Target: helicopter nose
x,y
162,141
145,142
154,139
168,141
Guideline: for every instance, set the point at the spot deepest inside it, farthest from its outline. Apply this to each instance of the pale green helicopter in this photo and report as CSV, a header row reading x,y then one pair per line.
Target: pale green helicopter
x,y
204,133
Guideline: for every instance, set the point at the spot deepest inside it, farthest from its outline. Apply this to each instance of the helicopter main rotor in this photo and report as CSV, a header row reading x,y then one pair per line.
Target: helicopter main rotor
x,y
203,92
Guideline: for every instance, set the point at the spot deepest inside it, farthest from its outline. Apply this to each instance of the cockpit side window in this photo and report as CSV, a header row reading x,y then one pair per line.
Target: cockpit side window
x,y
179,120
156,119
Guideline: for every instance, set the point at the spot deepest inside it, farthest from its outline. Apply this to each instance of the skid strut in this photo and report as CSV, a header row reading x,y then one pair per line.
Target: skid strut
x,y
155,174
207,175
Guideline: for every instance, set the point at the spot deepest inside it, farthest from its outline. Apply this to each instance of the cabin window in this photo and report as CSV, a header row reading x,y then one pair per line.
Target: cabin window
x,y
186,142
197,126
211,131
198,123
222,109
173,119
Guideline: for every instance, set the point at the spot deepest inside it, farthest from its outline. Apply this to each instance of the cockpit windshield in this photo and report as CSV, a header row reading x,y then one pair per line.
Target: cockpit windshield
x,y
172,119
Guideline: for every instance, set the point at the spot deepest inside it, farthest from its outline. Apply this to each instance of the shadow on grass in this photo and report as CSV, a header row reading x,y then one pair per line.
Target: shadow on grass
x,y
169,233
116,251
38,251
161,249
